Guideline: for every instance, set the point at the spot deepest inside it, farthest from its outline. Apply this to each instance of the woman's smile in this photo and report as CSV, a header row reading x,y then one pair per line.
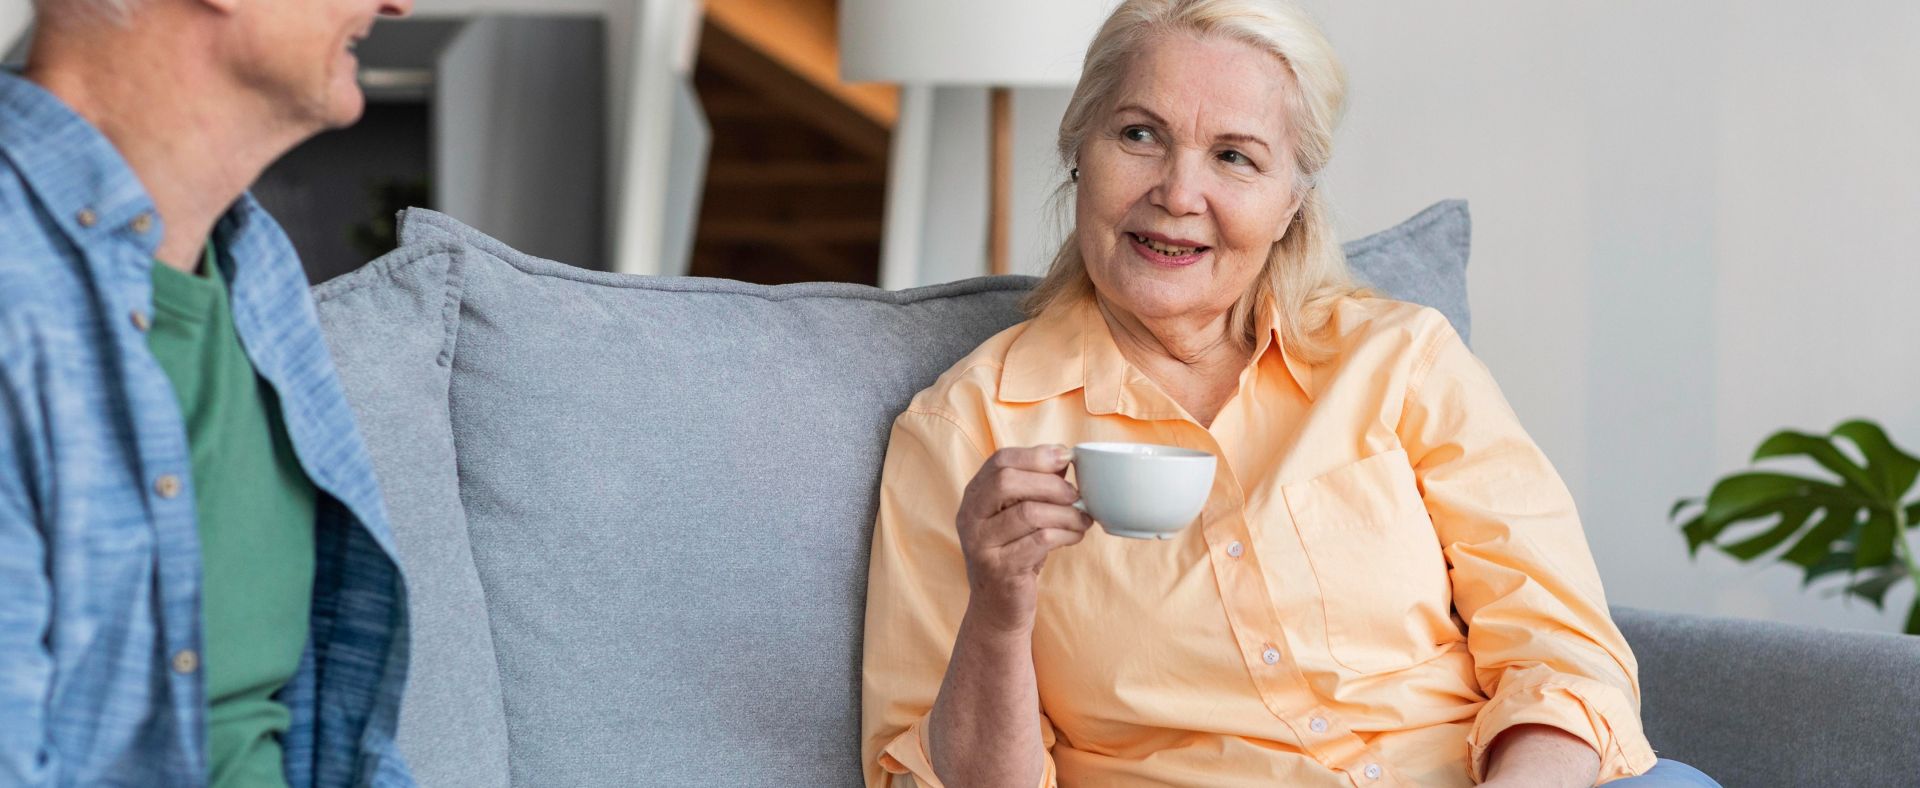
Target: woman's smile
x,y
1164,252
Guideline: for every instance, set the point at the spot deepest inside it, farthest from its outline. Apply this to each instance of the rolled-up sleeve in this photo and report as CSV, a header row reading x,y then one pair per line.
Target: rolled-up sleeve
x,y
1545,649
916,595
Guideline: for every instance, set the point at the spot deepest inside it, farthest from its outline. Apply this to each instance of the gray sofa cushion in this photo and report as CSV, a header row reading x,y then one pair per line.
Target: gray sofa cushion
x,y
1762,704
635,512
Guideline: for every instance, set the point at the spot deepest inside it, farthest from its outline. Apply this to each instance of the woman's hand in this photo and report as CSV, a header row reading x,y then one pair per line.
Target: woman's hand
x,y
1017,509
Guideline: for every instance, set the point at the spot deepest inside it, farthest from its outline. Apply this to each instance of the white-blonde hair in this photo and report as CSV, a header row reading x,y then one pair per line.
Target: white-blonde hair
x,y
1306,273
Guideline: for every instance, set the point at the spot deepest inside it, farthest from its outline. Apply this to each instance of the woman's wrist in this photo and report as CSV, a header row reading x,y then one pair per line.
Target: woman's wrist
x,y
992,621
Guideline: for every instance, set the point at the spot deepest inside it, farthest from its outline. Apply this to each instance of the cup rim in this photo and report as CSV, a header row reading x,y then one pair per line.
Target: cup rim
x,y
1161,451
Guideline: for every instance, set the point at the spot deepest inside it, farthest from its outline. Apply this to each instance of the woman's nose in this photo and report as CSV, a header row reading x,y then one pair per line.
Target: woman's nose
x,y
1180,191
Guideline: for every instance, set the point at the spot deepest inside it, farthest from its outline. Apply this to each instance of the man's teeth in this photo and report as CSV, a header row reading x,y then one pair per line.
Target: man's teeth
x,y
1170,251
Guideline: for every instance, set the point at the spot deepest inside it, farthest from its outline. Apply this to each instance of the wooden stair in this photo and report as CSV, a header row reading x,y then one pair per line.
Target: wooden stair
x,y
796,174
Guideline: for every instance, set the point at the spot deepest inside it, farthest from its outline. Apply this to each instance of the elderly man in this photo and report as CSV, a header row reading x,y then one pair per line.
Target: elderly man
x,y
197,585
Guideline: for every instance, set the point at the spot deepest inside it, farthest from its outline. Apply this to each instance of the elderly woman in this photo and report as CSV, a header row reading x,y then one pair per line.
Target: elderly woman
x,y
1388,585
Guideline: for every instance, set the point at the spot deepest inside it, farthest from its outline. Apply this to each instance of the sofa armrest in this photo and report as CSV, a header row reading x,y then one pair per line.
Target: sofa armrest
x,y
1760,703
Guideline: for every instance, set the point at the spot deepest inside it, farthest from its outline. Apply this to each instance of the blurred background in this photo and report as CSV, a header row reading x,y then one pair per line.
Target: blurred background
x,y
1695,223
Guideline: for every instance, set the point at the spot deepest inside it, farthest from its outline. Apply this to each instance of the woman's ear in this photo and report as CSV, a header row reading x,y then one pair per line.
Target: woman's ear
x,y
1290,219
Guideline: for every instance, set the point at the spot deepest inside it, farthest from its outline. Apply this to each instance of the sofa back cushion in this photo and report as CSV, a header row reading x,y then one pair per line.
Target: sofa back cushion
x,y
635,522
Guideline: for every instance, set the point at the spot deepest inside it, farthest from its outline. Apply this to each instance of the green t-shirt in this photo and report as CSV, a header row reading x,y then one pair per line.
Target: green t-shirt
x,y
256,521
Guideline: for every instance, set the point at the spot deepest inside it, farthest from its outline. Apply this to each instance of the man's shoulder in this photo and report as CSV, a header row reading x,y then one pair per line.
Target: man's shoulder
x,y
25,228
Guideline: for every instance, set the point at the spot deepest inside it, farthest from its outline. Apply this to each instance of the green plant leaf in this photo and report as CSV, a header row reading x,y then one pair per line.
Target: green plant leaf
x,y
1894,470
1679,505
1742,494
1820,449
1818,543
1793,516
1758,495
1697,535
1913,618
1875,586
1876,541
1836,561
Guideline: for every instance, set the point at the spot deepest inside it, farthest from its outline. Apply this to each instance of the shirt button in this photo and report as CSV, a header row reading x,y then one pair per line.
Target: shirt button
x,y
1235,549
140,320
1373,771
86,217
142,223
185,661
1319,725
168,485
1271,656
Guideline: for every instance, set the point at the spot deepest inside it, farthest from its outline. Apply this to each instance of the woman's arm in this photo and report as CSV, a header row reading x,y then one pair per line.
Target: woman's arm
x,y
1543,756
948,691
986,723
1545,649
985,726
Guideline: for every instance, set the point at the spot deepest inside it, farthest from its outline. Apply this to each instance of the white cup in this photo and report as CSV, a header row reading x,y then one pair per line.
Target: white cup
x,y
1142,490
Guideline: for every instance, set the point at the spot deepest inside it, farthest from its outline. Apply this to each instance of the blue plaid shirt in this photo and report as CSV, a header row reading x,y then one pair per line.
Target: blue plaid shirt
x,y
99,550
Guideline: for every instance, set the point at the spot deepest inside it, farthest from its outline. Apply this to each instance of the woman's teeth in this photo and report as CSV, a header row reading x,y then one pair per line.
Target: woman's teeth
x,y
1170,251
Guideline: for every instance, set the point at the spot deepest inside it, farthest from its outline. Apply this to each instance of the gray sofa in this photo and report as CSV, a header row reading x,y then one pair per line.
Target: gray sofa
x,y
635,515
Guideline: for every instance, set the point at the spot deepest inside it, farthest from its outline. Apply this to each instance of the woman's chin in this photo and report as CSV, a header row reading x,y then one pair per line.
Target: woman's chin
x,y
1158,301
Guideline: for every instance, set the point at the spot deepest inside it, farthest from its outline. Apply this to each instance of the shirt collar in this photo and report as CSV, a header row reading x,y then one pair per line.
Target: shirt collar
x,y
71,167
1069,347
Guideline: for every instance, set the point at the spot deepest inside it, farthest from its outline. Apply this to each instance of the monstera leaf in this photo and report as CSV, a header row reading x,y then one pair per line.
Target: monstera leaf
x,y
1856,524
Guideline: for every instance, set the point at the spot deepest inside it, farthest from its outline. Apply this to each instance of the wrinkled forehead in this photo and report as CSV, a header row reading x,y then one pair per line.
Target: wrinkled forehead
x,y
1207,85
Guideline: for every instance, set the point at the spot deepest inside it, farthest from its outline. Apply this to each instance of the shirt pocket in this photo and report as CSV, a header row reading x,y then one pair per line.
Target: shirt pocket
x,y
1382,575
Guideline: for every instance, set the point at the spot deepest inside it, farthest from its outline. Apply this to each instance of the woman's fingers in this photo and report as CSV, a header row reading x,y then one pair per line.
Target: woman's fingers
x,y
1023,519
1020,474
1031,551
1052,458
1011,486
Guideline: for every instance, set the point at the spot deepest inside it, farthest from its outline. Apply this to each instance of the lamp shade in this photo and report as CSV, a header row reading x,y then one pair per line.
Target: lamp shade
x,y
968,42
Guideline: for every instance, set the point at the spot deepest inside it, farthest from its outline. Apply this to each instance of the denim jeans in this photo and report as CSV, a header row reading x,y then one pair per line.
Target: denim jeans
x,y
1667,774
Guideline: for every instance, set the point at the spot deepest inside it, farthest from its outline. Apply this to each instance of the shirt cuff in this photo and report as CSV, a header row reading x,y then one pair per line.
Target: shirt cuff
x,y
907,754
1600,714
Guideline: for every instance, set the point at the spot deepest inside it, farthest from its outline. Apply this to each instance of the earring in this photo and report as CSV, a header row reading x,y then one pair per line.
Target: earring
x,y
1074,175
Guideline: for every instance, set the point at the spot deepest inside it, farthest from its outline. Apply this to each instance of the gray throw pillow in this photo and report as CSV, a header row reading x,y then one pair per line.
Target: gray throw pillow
x,y
1423,260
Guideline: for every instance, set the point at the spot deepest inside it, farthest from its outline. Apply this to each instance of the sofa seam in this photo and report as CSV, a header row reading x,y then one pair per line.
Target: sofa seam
x,y
452,282
453,295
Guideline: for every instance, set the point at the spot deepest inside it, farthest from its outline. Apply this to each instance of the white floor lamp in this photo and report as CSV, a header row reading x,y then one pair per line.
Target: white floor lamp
x,y
1000,44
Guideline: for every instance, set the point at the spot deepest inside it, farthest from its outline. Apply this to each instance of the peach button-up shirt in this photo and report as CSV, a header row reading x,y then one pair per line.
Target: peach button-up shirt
x,y
1387,575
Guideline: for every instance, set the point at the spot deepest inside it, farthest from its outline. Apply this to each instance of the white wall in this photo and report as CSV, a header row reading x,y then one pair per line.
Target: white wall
x,y
519,132
1694,223
15,16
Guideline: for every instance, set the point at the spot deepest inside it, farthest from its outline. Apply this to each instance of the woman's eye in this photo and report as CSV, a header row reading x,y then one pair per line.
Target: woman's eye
x,y
1137,134
1234,157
